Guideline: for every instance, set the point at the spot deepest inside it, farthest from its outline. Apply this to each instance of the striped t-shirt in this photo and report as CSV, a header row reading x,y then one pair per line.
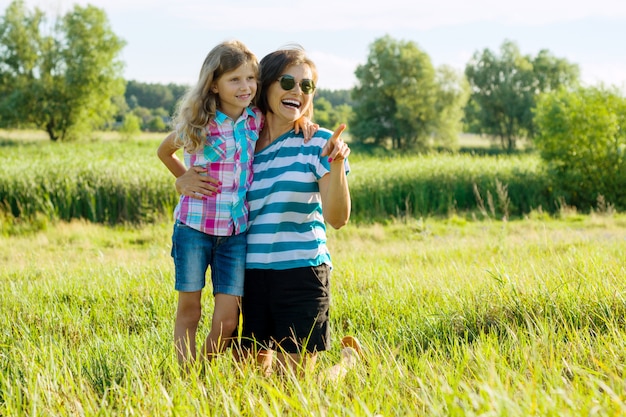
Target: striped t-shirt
x,y
286,227
227,154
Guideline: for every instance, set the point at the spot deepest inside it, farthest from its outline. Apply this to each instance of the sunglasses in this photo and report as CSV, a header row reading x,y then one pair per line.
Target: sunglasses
x,y
287,82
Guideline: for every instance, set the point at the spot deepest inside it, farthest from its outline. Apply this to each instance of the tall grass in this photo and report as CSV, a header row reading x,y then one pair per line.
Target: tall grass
x,y
444,184
112,181
106,181
458,318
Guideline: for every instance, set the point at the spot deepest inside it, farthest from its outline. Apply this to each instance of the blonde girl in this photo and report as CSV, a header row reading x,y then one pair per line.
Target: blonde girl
x,y
217,127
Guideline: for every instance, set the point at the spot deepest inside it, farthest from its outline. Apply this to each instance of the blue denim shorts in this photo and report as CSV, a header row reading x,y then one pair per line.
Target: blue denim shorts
x,y
194,252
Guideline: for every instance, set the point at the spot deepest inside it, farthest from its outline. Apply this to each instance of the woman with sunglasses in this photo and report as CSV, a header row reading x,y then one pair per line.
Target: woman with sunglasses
x,y
297,187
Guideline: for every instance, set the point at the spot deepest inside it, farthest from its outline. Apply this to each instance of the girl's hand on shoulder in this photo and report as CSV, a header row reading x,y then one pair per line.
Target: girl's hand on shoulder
x,y
308,128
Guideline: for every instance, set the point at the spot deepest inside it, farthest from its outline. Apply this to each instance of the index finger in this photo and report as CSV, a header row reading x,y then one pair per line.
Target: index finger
x,y
337,133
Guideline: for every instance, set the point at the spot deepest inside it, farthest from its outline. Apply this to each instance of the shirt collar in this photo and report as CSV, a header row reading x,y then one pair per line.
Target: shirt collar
x,y
221,117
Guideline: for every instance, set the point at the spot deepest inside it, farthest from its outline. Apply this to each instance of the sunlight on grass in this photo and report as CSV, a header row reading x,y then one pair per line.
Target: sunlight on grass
x,y
513,318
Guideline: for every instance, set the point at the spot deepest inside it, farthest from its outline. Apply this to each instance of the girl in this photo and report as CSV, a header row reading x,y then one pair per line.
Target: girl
x,y
218,129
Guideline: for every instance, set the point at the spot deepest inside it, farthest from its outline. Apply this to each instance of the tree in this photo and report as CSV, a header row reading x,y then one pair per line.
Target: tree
x,y
504,89
154,96
335,97
581,135
398,96
452,97
62,82
20,44
395,95
328,116
323,110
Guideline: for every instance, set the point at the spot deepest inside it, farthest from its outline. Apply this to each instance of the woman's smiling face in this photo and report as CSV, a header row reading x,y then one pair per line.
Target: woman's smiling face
x,y
290,105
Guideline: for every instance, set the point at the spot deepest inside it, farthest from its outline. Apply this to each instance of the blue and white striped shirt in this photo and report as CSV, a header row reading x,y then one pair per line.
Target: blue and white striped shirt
x,y
285,226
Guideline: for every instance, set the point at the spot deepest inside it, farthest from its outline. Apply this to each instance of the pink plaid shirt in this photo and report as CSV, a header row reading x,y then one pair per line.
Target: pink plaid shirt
x,y
227,155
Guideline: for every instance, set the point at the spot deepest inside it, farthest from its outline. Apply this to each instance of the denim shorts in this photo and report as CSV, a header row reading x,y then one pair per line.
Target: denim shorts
x,y
194,252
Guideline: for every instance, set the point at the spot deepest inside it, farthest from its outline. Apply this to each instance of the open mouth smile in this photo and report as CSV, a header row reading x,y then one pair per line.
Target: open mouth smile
x,y
294,104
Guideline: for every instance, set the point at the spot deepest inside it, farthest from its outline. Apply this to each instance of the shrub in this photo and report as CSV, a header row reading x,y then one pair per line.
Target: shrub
x,y
582,137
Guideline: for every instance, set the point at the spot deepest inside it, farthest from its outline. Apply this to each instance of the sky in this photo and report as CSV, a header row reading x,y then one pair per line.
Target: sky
x,y
167,40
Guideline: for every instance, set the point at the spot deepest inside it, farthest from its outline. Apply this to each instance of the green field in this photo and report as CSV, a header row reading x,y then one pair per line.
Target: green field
x,y
458,318
461,313
113,181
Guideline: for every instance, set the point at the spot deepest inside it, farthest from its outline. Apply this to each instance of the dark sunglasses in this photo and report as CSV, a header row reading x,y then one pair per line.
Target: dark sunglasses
x,y
287,82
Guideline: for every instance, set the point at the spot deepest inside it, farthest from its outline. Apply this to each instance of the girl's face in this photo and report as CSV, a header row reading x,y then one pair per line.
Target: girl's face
x,y
290,105
236,89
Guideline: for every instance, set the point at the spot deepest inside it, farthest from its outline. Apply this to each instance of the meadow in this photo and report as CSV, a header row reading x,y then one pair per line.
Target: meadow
x,y
457,318
459,315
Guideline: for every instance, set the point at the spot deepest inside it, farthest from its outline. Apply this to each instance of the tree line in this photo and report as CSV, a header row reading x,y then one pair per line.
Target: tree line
x,y
154,103
66,79
72,75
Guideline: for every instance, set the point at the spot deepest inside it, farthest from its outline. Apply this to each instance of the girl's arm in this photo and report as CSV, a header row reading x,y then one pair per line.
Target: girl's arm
x,y
188,182
308,127
167,155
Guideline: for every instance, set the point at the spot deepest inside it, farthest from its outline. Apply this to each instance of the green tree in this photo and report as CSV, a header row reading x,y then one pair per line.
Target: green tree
x,y
329,116
323,110
157,124
20,46
154,96
581,135
158,121
452,97
144,114
395,94
504,88
398,96
335,97
62,82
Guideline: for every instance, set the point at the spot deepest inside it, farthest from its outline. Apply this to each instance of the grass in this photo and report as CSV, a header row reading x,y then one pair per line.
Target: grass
x,y
110,180
458,318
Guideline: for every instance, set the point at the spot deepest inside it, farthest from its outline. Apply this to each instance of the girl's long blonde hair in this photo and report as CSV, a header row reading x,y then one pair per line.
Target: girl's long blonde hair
x,y
198,106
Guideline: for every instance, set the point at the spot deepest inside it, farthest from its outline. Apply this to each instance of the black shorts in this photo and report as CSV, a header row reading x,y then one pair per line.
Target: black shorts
x,y
287,310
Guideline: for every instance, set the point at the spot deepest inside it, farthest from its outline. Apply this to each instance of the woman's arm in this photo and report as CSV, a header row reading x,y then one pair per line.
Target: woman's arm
x,y
189,182
334,190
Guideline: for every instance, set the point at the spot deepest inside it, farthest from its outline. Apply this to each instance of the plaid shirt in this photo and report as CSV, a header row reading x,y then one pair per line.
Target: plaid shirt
x,y
227,154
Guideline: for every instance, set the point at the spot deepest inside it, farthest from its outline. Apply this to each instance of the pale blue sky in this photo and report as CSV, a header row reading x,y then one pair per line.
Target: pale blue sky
x,y
167,40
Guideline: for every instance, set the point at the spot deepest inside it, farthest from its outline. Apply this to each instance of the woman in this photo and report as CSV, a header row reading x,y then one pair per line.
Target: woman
x,y
298,186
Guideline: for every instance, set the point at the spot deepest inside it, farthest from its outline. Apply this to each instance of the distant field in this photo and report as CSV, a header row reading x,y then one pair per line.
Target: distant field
x,y
107,179
469,297
28,135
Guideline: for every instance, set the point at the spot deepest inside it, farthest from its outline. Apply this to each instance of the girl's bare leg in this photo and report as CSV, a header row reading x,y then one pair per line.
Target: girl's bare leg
x,y
188,316
223,325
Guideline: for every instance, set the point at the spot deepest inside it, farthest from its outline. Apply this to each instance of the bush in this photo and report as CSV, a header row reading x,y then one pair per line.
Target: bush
x,y
131,126
582,137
